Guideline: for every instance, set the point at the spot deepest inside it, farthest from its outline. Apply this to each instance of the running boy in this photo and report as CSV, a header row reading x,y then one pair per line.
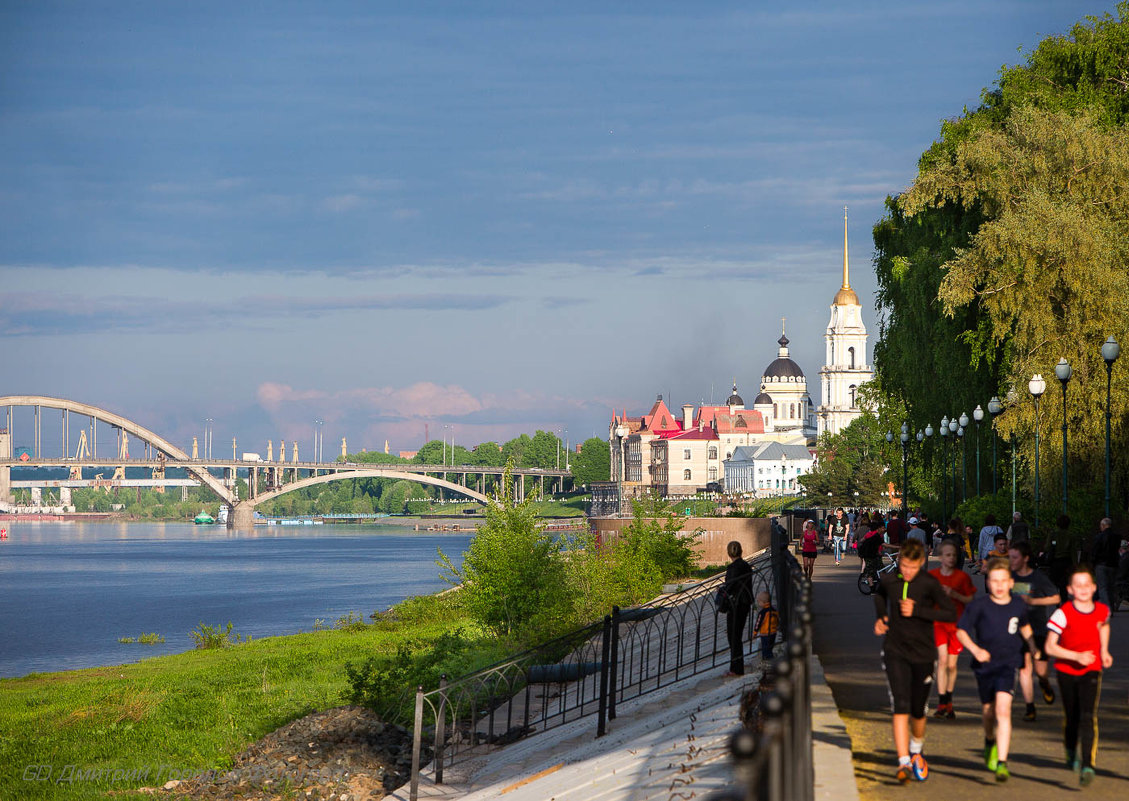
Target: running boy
x,y
994,629
959,587
1078,638
907,604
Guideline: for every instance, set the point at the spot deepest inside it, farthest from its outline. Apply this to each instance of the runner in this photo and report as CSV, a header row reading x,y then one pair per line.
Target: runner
x,y
1078,638
994,629
906,605
959,587
809,547
1041,596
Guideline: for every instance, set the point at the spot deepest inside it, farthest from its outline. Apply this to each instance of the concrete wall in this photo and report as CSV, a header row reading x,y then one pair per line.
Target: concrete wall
x,y
752,532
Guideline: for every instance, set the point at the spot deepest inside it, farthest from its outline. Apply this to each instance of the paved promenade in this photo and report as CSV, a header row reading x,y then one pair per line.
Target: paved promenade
x,y
845,641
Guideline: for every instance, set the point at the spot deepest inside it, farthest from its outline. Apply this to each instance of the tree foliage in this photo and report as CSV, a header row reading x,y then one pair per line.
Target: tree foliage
x,y
1009,251
593,463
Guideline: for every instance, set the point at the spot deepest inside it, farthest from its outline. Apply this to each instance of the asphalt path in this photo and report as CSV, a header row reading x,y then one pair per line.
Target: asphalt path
x,y
849,651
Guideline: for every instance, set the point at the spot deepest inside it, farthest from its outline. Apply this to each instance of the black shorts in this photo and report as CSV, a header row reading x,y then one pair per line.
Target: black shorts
x,y
992,680
909,684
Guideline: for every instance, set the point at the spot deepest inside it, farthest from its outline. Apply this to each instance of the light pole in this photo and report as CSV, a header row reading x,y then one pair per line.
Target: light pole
x,y
954,424
208,437
963,458
566,451
1063,373
317,439
621,473
1036,386
978,415
558,448
944,432
921,437
994,408
1110,351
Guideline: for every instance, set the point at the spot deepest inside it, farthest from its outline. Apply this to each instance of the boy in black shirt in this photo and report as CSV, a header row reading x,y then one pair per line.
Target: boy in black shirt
x,y
907,604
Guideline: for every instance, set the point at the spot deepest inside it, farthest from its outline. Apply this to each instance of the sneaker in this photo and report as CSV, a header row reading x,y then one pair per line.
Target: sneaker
x,y
1048,692
949,713
1086,777
1029,715
1002,773
904,773
1072,762
919,767
991,757
941,710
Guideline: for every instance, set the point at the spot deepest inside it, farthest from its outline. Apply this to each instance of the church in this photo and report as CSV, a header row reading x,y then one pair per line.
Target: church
x,y
762,448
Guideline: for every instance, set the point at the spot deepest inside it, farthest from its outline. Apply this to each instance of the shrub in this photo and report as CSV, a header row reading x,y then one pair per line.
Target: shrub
x,y
208,637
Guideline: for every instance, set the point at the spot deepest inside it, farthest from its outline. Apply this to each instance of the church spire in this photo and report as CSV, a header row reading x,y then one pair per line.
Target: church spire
x,y
846,296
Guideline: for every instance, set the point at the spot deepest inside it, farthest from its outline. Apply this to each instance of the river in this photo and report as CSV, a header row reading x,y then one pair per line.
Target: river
x,y
68,591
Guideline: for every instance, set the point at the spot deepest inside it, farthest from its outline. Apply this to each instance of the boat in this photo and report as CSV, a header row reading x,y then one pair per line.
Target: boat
x,y
204,519
221,519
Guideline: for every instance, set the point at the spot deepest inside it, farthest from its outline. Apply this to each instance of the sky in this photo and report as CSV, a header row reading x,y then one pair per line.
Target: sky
x,y
471,219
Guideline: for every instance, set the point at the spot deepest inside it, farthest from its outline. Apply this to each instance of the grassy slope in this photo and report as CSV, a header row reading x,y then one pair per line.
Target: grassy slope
x,y
191,711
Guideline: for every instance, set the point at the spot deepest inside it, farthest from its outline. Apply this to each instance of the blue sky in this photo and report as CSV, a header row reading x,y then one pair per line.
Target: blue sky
x,y
497,217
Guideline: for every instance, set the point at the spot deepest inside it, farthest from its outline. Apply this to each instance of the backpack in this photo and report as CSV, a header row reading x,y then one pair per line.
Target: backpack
x,y
868,545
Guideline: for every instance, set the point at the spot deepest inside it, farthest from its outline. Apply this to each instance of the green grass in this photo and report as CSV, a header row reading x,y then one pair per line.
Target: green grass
x,y
188,712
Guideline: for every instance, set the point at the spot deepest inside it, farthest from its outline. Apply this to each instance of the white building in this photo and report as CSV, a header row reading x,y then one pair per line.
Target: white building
x,y
845,369
768,468
783,402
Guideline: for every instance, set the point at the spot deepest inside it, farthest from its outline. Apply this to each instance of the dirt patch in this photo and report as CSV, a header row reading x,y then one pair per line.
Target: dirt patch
x,y
346,753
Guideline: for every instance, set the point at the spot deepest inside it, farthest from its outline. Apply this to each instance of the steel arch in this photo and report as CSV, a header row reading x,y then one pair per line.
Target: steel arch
x,y
348,473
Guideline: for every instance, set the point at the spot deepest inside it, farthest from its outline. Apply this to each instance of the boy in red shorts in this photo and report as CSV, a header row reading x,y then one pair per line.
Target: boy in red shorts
x,y
1078,638
959,587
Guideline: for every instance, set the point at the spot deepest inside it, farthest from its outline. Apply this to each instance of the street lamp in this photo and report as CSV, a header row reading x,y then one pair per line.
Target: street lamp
x,y
977,415
1110,351
954,424
994,408
963,458
1063,373
621,474
1036,386
208,437
944,432
317,439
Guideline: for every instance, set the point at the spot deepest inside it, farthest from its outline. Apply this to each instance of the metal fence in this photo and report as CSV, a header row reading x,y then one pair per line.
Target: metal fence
x,y
587,672
772,759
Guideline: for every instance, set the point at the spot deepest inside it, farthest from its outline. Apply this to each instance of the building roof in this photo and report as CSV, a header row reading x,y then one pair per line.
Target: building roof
x,y
745,421
783,367
692,434
770,451
660,418
735,399
763,397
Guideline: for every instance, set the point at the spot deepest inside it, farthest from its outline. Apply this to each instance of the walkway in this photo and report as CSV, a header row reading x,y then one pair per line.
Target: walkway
x,y
845,641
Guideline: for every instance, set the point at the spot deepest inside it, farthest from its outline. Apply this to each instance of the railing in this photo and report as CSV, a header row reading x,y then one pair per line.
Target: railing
x,y
773,760
587,672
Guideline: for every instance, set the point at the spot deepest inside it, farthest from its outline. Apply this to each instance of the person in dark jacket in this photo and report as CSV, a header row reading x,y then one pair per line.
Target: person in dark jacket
x,y
906,604
739,588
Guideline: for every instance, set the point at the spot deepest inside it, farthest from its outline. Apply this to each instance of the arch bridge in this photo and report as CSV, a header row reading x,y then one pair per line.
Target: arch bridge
x,y
274,477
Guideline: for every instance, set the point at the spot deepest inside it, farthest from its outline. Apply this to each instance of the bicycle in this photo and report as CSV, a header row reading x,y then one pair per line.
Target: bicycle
x,y
869,577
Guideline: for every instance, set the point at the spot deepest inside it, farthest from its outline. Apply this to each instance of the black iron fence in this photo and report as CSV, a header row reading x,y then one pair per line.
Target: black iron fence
x,y
587,672
772,753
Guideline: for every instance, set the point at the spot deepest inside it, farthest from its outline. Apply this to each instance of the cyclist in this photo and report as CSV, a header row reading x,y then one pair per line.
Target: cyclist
x,y
907,604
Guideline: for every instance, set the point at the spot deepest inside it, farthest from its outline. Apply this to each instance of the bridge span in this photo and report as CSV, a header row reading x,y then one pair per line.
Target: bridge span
x,y
266,479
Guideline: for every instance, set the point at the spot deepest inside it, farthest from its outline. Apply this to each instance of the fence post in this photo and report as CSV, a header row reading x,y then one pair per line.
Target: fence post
x,y
613,675
440,721
417,742
602,723
772,784
785,692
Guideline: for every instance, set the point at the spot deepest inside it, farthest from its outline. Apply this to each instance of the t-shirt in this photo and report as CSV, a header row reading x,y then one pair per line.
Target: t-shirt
x,y
1036,584
810,541
911,638
995,628
916,533
1079,631
895,531
957,580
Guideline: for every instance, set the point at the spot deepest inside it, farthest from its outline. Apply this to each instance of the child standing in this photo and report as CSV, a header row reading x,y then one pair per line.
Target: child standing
x,y
1078,638
994,629
959,587
768,623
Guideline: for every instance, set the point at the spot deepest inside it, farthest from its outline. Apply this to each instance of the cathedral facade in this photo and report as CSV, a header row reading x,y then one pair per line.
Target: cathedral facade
x,y
845,368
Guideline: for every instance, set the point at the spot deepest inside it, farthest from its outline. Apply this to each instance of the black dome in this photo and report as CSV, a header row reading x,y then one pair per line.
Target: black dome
x,y
735,399
784,368
764,397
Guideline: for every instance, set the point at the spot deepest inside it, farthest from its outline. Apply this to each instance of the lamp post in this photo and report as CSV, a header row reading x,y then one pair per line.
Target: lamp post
x,y
994,408
903,437
954,424
944,432
1110,351
978,415
621,473
963,458
1036,386
1063,373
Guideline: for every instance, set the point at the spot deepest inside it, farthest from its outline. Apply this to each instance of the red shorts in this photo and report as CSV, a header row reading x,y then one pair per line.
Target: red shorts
x,y
946,634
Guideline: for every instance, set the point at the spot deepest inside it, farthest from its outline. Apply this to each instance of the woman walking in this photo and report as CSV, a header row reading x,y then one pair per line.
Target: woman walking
x,y
739,588
809,547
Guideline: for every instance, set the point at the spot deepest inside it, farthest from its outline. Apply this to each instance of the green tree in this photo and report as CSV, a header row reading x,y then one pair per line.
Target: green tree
x,y
593,463
512,575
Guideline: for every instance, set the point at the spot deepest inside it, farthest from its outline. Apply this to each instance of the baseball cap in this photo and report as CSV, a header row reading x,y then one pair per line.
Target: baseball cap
x,y
913,521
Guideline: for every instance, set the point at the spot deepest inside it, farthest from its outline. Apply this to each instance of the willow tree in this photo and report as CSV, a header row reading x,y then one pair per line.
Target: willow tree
x,y
1010,251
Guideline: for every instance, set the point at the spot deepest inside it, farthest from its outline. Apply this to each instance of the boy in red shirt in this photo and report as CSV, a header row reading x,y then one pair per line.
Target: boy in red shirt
x,y
959,587
1078,638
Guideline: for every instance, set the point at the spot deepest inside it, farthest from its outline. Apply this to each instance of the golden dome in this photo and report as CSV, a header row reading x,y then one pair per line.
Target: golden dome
x,y
846,297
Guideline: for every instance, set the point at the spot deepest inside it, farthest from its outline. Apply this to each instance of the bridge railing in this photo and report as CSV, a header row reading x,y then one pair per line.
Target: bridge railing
x,y
587,672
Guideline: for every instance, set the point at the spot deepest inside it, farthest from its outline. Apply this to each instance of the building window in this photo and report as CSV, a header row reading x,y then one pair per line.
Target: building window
x,y
686,453
685,475
852,390
713,474
775,411
713,452
792,410
851,353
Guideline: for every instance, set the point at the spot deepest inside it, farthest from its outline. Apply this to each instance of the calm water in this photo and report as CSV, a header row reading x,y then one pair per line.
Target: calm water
x,y
68,591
